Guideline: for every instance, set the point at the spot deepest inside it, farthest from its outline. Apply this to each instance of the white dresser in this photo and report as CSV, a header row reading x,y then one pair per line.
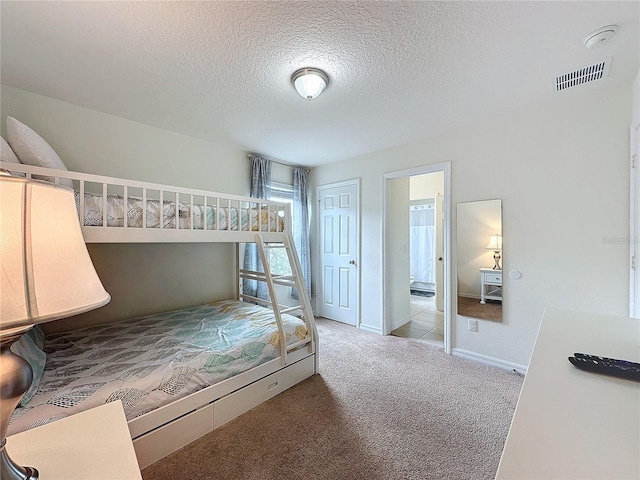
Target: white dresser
x,y
490,285
91,445
572,424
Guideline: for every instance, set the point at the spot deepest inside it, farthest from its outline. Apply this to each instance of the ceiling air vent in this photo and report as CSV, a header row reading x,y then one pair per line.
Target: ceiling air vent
x,y
584,75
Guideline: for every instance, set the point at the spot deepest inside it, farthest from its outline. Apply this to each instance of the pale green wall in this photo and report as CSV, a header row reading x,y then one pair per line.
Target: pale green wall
x,y
562,172
142,278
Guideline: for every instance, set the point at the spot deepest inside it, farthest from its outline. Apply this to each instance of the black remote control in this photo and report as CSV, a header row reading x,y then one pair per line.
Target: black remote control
x,y
607,366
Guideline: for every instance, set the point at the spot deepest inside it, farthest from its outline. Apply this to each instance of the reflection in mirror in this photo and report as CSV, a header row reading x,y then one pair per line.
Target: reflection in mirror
x,y
479,250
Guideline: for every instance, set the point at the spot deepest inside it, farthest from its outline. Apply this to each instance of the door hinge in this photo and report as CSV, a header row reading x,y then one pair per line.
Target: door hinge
x,y
633,160
633,262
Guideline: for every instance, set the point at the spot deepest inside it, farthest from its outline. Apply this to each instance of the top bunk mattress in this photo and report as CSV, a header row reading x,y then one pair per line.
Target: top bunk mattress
x,y
150,213
151,361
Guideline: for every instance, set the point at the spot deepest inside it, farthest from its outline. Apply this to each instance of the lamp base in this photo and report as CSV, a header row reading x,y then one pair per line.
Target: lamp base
x,y
496,258
9,470
15,380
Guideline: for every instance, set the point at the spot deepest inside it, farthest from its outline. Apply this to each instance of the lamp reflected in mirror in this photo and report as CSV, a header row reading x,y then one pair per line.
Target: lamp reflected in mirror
x,y
479,253
495,244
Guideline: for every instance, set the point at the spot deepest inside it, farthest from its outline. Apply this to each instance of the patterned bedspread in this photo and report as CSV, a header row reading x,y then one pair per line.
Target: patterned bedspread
x,y
151,361
135,209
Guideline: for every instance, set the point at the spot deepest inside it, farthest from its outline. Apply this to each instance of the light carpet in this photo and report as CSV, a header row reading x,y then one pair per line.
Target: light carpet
x,y
381,408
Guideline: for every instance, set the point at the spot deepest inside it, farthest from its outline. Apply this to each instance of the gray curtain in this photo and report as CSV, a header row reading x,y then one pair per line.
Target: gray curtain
x,y
301,226
260,188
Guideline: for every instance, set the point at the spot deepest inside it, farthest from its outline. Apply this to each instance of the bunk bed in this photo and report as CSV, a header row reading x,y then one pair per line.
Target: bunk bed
x,y
196,383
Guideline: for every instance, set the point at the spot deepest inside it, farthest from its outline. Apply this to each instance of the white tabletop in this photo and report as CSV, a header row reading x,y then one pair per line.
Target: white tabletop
x,y
91,445
572,424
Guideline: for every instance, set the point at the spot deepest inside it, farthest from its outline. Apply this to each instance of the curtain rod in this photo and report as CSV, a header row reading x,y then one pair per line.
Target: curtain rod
x,y
290,165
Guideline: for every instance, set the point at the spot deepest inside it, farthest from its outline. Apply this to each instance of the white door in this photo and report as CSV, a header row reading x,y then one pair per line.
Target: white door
x,y
340,284
634,304
634,278
439,222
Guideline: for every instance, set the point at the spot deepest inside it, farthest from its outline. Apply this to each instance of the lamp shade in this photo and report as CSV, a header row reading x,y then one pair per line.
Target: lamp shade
x,y
47,273
309,82
495,242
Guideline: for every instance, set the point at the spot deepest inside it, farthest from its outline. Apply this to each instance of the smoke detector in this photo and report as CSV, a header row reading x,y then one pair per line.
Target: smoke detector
x,y
600,36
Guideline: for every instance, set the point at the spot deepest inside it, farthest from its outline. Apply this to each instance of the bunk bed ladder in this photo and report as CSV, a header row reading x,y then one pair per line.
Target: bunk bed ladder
x,y
274,298
294,280
301,288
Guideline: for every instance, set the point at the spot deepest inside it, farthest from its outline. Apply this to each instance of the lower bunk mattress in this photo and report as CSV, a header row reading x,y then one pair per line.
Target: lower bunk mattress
x,y
148,362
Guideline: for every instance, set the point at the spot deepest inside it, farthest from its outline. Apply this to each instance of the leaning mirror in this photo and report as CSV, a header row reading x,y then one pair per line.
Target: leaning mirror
x,y
479,250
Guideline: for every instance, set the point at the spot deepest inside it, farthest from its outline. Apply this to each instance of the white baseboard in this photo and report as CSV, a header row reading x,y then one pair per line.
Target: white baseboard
x,y
485,359
369,328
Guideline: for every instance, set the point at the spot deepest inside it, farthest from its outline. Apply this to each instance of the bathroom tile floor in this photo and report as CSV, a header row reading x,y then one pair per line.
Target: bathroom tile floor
x,y
427,323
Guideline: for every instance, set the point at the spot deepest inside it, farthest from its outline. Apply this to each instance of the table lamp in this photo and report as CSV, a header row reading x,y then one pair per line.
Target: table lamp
x,y
47,274
495,244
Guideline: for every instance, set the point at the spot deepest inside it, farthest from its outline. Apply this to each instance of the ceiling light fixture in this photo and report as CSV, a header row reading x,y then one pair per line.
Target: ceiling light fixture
x,y
309,82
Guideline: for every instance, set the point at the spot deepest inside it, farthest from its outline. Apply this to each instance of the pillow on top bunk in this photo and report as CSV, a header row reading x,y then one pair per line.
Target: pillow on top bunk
x,y
8,155
32,149
27,349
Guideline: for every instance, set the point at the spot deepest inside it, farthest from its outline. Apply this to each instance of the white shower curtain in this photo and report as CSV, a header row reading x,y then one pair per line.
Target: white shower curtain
x,y
422,244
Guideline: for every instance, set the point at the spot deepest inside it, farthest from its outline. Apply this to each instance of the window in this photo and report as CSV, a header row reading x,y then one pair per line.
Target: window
x,y
278,260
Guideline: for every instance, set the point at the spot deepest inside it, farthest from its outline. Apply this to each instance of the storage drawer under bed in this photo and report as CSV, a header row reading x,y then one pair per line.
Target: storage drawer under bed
x,y
172,436
165,440
243,400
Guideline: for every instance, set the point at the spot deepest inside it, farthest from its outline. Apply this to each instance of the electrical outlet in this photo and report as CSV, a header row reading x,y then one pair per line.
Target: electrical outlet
x,y
473,325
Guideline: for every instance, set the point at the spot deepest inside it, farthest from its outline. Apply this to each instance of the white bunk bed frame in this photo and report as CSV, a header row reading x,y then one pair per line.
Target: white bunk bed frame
x,y
160,432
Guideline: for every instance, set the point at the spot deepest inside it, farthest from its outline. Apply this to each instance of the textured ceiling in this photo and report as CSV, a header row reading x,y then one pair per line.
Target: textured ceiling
x,y
220,71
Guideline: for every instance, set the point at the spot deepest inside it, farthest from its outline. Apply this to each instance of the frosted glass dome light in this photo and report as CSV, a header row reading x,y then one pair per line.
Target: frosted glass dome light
x,y
309,82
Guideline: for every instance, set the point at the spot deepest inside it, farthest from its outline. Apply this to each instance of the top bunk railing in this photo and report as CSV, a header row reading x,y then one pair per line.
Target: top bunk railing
x,y
119,210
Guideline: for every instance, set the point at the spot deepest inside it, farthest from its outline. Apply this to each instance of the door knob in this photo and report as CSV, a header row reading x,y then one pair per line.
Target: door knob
x,y
439,259
352,262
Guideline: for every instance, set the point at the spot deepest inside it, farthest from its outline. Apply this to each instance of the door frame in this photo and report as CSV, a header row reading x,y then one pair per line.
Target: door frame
x,y
319,297
444,167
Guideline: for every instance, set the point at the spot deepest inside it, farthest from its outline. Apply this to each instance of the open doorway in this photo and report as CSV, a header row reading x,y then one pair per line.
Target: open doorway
x,y
426,260
416,254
